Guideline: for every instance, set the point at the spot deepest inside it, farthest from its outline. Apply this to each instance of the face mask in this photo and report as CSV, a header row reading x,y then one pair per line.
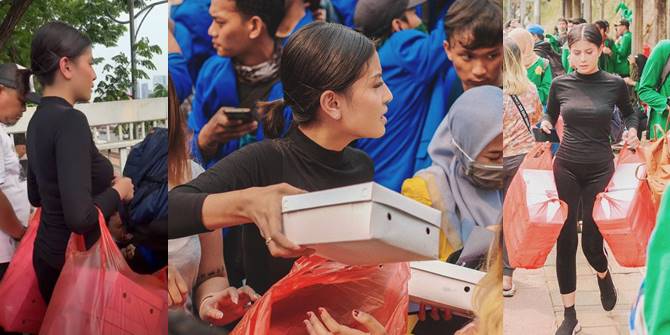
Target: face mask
x,y
481,175
422,28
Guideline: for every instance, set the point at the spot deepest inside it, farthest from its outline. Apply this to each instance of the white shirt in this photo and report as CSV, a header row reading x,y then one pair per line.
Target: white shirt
x,y
15,191
184,253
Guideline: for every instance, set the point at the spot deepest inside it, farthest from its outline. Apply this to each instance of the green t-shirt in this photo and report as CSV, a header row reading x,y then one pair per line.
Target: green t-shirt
x,y
657,281
621,51
652,91
565,53
607,62
540,74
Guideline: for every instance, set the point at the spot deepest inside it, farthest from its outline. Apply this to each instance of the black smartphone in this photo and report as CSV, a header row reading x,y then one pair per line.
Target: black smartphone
x,y
243,114
541,136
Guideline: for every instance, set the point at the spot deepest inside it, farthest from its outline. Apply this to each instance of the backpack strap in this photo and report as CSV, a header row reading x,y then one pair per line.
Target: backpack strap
x,y
522,111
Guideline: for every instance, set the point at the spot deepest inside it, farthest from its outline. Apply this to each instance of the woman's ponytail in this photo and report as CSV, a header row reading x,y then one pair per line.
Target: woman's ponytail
x,y
271,115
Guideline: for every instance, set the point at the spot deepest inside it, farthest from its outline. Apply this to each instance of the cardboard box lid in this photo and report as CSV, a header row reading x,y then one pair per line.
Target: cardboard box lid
x,y
360,193
449,270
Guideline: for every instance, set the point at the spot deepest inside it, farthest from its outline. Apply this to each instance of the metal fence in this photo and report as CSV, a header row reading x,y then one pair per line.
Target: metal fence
x,y
116,126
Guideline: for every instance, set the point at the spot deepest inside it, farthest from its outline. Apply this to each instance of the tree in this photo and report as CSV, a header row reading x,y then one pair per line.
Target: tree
x,y
96,18
116,84
90,16
12,17
159,91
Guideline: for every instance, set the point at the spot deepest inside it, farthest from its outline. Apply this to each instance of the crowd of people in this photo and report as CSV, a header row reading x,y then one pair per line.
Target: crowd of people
x,y
333,93
602,96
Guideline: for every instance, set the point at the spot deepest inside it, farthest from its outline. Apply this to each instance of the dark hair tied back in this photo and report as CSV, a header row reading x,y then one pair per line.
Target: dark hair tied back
x,y
52,42
319,57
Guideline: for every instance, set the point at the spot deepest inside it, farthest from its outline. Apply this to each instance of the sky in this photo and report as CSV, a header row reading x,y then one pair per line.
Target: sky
x,y
154,28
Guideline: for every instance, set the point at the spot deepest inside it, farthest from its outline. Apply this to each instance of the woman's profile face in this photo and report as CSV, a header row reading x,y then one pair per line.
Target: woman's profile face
x,y
584,56
363,112
83,75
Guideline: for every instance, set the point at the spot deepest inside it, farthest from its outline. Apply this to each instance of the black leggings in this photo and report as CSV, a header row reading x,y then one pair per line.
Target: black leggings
x,y
47,276
576,181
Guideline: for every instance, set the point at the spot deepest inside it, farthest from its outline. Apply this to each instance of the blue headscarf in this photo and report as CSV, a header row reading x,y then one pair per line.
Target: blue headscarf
x,y
474,120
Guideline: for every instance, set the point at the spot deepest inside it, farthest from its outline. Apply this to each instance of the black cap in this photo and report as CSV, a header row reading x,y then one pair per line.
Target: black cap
x,y
374,17
18,78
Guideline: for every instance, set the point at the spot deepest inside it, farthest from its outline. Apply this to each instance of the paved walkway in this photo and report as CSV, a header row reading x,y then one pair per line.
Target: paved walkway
x,y
537,308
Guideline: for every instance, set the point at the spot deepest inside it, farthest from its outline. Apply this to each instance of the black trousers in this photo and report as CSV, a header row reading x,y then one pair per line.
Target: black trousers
x,y
575,182
47,276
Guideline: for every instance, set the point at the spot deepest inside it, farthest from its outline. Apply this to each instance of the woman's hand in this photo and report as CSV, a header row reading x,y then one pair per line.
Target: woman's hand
x,y
265,210
630,137
177,289
226,306
546,126
327,325
124,186
629,81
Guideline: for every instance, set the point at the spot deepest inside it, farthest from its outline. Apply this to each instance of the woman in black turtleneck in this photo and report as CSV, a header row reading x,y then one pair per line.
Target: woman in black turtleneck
x,y
332,81
583,166
67,176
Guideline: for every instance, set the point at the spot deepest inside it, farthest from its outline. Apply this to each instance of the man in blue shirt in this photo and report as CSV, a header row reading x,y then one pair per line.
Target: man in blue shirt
x,y
244,71
411,59
474,46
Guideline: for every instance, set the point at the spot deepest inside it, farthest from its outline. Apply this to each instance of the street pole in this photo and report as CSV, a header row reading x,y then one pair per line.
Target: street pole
x,y
131,15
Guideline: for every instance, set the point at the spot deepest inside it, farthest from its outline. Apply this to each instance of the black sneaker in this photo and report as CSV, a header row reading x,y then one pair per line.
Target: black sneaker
x,y
608,294
569,327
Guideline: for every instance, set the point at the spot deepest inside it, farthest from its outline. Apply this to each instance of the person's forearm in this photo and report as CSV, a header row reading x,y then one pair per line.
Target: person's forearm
x,y
207,146
224,210
9,223
208,287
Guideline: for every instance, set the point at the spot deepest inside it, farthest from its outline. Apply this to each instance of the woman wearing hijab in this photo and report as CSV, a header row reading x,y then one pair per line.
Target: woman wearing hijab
x,y
538,69
467,156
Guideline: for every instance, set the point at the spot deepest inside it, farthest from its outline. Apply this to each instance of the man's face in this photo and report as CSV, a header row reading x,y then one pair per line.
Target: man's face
x,y
12,105
562,26
476,67
620,29
230,31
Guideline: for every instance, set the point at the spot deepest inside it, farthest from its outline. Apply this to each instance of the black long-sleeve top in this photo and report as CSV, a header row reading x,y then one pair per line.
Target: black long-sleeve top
x,y
296,160
67,177
586,103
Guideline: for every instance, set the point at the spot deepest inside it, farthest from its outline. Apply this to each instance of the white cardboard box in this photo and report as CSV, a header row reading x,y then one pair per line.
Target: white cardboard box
x,y
444,285
362,224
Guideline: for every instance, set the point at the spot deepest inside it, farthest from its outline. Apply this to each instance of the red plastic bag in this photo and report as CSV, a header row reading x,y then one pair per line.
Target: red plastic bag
x,y
98,293
625,213
316,282
532,213
22,307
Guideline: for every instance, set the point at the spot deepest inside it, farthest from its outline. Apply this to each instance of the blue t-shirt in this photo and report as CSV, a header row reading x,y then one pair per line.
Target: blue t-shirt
x,y
178,70
411,61
192,20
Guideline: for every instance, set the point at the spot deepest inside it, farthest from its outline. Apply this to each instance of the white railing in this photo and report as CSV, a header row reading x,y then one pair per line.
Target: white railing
x,y
116,125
